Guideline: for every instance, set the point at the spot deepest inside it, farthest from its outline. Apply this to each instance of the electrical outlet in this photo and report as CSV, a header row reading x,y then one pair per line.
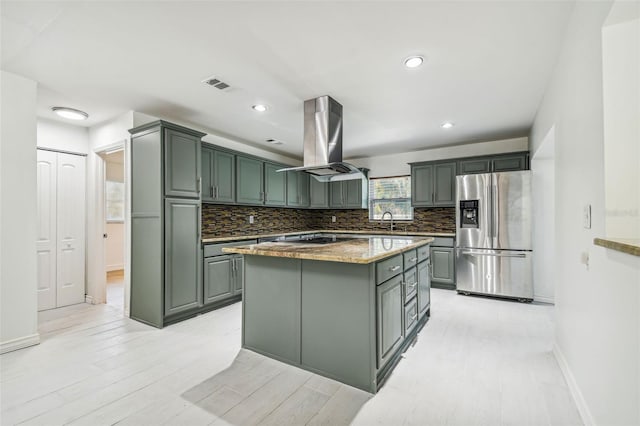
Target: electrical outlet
x,y
251,219
333,219
584,259
586,216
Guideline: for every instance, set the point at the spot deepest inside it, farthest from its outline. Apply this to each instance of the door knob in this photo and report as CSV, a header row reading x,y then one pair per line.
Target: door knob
x,y
105,235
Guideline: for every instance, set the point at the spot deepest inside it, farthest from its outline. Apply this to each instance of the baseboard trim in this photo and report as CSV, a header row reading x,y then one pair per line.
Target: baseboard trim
x,y
578,398
544,299
88,299
19,343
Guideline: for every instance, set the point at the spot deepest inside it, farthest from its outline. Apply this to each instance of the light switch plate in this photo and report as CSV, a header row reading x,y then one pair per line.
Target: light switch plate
x,y
333,218
250,219
586,216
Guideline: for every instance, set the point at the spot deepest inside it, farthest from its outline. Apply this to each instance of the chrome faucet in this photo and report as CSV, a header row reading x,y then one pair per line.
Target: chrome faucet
x,y
391,220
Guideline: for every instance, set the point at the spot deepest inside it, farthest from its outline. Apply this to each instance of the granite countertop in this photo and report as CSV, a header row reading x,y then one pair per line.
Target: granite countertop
x,y
625,245
326,231
354,250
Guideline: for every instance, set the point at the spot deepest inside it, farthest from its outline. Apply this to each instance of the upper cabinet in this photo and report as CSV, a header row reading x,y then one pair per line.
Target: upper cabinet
x,y
181,164
433,184
249,180
318,194
298,189
218,175
495,163
349,194
275,185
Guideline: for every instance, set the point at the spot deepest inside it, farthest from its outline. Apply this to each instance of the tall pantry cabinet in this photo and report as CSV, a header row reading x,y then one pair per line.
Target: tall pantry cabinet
x,y
166,282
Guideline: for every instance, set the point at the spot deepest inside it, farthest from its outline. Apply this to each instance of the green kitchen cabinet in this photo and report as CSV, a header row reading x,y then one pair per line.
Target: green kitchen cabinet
x,y
298,189
275,185
165,223
349,194
237,266
390,313
433,184
249,180
442,259
424,288
182,164
182,283
218,279
218,176
494,163
318,194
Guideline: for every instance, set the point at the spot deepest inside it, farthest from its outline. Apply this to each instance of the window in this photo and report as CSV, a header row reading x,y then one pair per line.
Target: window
x,y
390,194
114,201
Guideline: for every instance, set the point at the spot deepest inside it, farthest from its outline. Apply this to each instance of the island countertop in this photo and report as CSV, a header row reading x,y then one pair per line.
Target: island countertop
x,y
352,250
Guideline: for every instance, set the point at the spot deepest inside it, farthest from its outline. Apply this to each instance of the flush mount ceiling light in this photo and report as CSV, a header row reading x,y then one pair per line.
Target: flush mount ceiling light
x,y
447,125
70,113
259,107
413,61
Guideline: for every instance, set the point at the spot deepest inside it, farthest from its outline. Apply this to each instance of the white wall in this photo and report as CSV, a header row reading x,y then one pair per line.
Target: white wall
x,y
18,296
621,56
62,137
543,197
597,307
397,164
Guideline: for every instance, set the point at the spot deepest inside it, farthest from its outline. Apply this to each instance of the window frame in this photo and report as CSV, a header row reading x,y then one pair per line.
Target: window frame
x,y
371,199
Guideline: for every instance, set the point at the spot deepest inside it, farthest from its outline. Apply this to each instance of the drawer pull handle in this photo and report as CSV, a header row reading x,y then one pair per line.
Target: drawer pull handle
x,y
413,259
414,317
413,285
394,268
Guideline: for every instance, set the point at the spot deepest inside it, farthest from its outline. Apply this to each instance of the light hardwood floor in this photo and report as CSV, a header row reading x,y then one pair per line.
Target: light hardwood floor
x,y
477,362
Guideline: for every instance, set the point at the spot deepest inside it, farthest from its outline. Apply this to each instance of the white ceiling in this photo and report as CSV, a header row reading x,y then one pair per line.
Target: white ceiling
x,y
487,65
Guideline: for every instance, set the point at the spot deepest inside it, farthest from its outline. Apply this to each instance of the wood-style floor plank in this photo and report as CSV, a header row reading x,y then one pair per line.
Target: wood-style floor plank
x,y
477,361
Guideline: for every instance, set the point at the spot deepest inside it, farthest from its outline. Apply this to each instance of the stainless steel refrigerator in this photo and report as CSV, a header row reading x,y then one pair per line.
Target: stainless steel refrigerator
x,y
493,236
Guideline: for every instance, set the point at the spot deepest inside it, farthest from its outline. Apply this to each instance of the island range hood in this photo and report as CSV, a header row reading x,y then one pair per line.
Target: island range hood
x,y
323,142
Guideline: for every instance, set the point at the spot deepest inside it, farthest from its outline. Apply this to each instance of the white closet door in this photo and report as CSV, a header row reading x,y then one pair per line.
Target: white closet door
x,y
70,229
46,230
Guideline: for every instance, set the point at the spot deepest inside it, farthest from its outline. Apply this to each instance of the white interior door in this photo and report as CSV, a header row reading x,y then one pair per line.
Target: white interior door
x,y
46,229
70,229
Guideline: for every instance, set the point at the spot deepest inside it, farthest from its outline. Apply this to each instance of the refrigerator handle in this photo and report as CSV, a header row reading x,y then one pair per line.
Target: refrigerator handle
x,y
495,214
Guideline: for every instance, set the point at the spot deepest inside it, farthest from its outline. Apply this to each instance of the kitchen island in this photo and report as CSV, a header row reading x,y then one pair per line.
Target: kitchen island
x,y
345,308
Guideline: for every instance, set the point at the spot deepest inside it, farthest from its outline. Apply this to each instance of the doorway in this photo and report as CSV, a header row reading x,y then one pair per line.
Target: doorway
x,y
114,202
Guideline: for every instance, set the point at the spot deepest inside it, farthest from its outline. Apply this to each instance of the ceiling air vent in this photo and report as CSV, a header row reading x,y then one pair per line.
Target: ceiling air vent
x,y
216,82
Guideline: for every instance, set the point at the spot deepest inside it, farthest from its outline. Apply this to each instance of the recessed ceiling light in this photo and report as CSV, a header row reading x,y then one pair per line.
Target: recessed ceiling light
x,y
70,113
259,107
413,61
447,125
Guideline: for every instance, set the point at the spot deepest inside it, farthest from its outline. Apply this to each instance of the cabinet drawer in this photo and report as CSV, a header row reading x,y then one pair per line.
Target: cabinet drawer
x,y
410,258
216,249
388,268
442,242
423,253
410,315
410,284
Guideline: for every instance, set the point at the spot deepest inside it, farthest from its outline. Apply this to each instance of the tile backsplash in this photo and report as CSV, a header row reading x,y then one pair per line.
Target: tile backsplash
x,y
226,221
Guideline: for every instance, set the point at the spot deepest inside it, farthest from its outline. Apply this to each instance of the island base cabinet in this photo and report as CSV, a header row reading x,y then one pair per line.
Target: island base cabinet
x,y
271,307
336,317
424,288
390,312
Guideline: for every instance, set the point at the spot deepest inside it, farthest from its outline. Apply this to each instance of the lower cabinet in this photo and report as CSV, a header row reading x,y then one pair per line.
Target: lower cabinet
x,y
442,272
223,274
424,287
390,313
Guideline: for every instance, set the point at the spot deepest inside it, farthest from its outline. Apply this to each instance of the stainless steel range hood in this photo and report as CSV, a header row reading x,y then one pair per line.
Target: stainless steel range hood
x,y
323,142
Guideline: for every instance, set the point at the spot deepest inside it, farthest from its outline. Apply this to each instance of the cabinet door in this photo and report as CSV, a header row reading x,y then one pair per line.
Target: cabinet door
x,y
207,174
218,281
303,189
183,288
249,180
471,166
510,163
422,186
275,185
336,194
238,274
424,287
181,164
318,193
224,176
293,194
445,184
390,312
442,259
353,196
